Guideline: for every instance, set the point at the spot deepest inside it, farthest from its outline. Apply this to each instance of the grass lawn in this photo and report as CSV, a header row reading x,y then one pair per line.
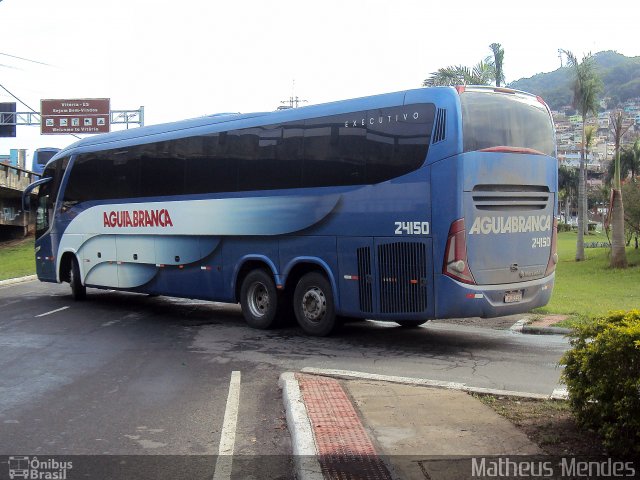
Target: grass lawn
x,y
591,288
17,259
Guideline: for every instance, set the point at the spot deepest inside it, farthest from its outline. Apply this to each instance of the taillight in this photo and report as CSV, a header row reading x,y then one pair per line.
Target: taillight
x,y
455,255
553,257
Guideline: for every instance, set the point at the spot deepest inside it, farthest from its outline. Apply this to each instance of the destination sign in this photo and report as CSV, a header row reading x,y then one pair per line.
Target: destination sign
x,y
84,115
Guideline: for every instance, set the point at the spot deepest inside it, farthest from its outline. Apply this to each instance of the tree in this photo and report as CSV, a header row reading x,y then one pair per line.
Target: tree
x,y
567,186
483,73
631,191
618,252
586,87
498,59
634,160
629,163
589,136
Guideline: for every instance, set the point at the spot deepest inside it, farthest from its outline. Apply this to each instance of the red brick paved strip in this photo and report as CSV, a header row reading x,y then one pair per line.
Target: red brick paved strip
x,y
344,448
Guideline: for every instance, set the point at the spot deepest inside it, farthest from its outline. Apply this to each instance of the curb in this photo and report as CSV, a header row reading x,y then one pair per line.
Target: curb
x,y
557,394
305,452
521,327
13,281
545,330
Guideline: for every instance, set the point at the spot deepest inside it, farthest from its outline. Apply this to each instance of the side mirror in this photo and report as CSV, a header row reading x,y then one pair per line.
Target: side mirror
x,y
26,207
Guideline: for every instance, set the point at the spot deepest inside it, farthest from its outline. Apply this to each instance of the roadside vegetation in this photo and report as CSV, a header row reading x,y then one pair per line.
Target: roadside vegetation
x,y
17,259
602,374
548,423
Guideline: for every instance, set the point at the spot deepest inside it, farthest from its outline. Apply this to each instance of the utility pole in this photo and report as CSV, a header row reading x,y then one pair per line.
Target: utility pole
x,y
293,102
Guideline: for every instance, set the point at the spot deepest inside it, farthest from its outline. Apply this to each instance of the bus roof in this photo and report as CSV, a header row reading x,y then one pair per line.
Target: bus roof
x,y
221,122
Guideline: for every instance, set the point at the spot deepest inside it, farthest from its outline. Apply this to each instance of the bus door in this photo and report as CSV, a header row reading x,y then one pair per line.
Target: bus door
x,y
47,235
44,213
44,245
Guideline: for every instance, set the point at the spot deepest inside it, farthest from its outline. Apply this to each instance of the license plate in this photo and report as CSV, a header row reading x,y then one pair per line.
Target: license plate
x,y
513,297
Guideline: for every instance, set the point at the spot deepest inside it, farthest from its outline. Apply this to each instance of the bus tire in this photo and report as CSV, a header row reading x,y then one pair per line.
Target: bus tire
x,y
78,291
313,305
411,323
259,300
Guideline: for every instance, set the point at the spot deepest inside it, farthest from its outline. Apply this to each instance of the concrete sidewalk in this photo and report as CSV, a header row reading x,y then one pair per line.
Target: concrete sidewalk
x,y
382,430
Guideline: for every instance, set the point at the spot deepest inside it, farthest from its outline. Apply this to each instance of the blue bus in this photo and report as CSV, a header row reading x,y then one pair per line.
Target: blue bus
x,y
41,157
408,206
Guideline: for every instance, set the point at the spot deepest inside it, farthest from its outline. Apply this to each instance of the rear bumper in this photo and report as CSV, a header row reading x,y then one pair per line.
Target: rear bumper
x,y
455,299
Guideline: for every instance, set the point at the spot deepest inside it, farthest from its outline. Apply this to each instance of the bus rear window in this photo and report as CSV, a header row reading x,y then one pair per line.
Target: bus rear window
x,y
507,120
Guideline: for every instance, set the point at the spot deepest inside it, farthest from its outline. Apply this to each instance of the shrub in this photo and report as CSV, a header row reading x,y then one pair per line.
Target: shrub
x,y
564,227
602,373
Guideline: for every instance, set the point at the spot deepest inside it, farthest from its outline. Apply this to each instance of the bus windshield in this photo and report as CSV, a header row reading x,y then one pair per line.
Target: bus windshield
x,y
492,119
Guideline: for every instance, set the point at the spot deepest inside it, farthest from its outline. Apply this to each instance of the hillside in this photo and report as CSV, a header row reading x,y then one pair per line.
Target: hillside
x,y
620,76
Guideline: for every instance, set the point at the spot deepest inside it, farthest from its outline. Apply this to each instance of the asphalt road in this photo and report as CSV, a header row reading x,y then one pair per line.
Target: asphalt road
x,y
128,374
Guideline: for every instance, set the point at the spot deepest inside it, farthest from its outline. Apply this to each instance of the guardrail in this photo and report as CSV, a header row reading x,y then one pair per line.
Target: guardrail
x,y
16,178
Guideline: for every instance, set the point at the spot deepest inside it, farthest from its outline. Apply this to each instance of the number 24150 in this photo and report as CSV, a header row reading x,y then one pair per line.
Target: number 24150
x,y
412,228
540,242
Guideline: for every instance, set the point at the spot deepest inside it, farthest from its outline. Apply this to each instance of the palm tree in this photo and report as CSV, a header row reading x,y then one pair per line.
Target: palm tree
x,y
618,252
634,152
498,59
589,133
567,185
586,87
629,165
483,73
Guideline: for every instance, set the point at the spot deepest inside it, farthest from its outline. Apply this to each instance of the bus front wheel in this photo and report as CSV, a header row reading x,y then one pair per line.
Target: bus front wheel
x,y
259,299
78,291
313,305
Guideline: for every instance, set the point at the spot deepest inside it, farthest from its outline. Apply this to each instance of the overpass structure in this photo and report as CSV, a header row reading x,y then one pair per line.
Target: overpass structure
x,y
13,181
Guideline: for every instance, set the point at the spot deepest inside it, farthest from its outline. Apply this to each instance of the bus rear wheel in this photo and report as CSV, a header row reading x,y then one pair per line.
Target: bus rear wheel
x,y
259,299
313,305
78,291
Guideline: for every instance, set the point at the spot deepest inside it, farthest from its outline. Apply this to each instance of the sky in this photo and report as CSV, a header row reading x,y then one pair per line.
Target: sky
x,y
188,58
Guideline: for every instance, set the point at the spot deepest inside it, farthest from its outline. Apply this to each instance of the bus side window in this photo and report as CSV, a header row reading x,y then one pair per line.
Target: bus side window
x,y
329,159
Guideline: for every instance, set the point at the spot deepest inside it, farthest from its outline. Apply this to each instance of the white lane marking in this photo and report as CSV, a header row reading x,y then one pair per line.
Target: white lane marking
x,y
52,311
228,435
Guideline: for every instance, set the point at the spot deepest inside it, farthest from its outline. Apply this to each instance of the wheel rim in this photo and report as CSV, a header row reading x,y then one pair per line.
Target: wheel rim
x,y
314,304
258,297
